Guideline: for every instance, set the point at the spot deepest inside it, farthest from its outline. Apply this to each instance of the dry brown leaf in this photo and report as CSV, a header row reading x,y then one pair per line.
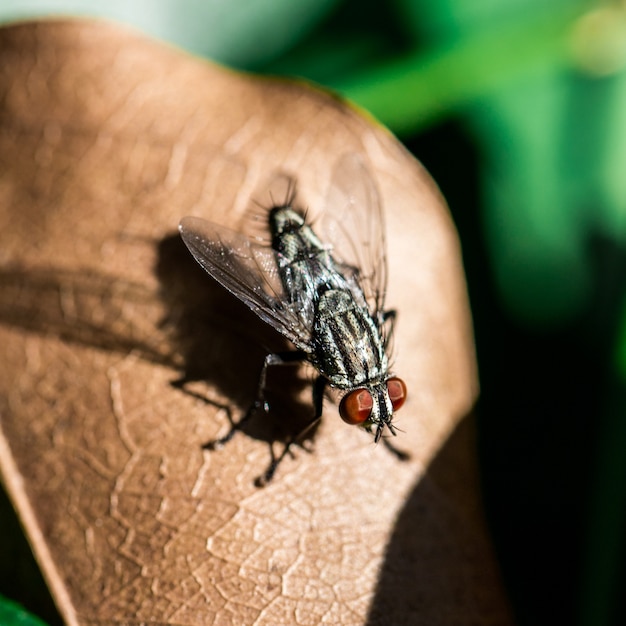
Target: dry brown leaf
x,y
107,140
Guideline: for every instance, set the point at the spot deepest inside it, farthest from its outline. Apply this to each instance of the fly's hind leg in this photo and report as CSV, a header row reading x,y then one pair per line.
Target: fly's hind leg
x,y
387,321
279,358
390,315
318,402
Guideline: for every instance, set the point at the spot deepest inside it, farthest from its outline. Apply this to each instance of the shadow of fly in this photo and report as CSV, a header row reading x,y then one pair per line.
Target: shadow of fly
x,y
323,290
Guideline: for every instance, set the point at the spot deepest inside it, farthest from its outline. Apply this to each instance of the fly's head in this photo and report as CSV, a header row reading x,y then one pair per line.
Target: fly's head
x,y
372,406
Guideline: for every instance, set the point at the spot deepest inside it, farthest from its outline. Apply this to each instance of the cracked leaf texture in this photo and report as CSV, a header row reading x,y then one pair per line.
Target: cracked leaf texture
x,y
106,140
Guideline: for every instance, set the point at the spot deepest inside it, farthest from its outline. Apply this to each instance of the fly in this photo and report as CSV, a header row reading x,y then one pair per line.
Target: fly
x,y
324,293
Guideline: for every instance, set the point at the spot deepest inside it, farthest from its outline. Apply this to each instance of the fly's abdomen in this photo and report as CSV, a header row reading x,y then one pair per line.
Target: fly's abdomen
x,y
348,348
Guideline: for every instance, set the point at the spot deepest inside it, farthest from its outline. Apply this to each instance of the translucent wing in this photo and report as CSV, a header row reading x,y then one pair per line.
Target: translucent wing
x,y
248,270
353,224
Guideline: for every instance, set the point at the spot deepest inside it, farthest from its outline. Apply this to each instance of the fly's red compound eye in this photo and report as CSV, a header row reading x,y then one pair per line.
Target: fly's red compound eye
x,y
356,406
397,392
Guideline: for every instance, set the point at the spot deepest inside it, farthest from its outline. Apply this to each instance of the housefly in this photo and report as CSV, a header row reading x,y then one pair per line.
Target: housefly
x,y
322,286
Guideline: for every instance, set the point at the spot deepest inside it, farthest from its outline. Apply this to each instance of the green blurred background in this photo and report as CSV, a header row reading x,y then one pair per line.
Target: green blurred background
x,y
518,110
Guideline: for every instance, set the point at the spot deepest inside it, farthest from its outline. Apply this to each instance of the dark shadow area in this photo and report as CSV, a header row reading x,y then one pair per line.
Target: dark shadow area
x,y
543,402
535,413
83,307
604,572
439,567
222,342
206,334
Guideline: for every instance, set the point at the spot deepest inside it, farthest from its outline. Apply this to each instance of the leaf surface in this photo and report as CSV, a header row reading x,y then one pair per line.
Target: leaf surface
x,y
107,140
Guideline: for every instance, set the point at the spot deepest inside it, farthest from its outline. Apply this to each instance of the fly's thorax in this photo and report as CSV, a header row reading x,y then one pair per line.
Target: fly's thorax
x,y
349,350
303,262
292,237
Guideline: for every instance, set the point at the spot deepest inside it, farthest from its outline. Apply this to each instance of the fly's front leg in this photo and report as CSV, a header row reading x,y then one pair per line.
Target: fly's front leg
x,y
279,358
318,402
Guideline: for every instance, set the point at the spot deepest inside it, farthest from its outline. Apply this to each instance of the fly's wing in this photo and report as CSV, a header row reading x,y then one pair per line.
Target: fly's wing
x,y
353,224
248,270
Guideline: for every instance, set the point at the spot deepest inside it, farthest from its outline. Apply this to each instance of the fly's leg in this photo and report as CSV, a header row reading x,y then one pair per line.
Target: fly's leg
x,y
388,322
279,358
318,402
390,316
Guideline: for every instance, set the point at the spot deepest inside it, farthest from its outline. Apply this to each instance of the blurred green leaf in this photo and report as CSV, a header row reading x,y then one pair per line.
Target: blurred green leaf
x,y
408,93
12,614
